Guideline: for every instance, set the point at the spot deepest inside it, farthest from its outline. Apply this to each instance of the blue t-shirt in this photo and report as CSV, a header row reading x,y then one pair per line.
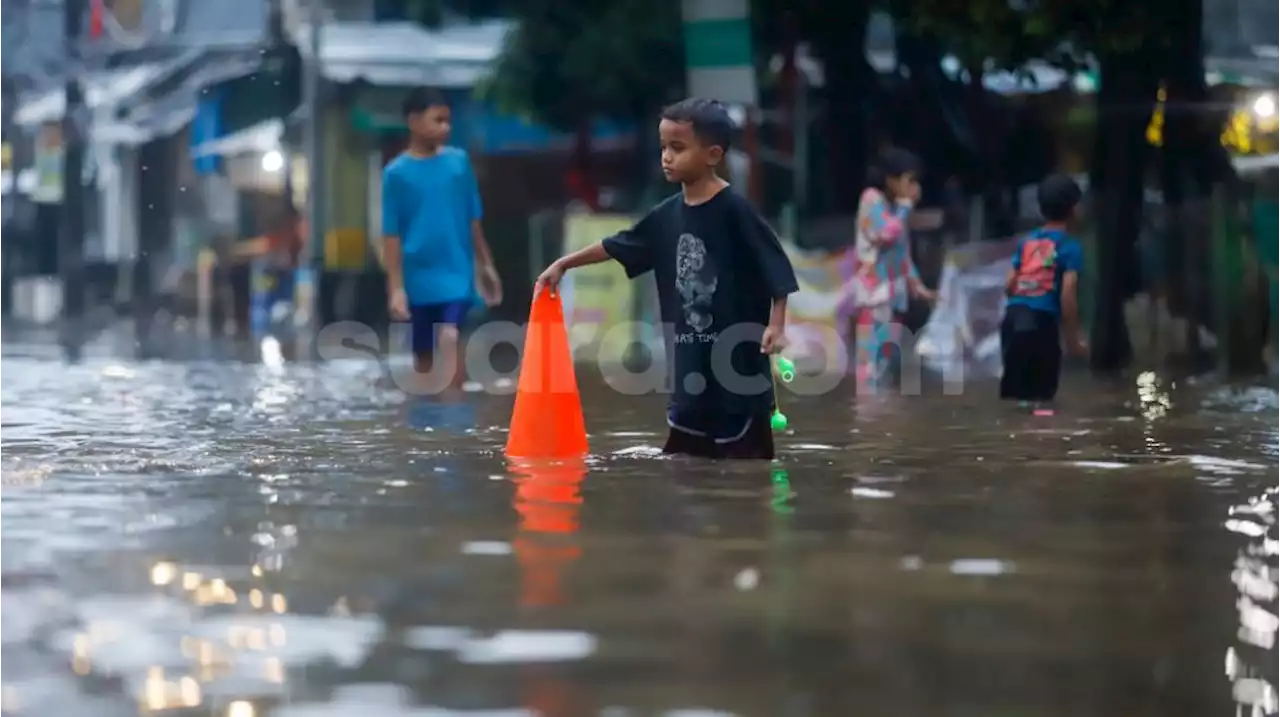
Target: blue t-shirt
x,y
430,203
1039,262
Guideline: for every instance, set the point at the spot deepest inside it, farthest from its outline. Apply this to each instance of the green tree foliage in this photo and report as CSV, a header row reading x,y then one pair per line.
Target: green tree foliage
x,y
570,60
1008,33
1108,26
980,32
575,58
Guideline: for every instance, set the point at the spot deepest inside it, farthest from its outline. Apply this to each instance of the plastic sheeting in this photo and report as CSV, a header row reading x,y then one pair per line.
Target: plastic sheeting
x,y
962,336
405,53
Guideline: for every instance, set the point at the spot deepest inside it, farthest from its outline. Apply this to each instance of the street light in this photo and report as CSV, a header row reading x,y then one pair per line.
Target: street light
x,y
1265,106
272,161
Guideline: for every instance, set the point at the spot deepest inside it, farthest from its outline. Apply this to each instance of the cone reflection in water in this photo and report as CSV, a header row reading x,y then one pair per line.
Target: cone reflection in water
x,y
548,499
546,692
546,421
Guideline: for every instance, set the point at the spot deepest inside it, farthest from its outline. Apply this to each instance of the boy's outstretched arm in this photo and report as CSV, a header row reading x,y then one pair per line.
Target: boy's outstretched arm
x,y
394,265
633,249
1071,313
776,273
392,259
486,272
775,333
489,283
550,279
484,257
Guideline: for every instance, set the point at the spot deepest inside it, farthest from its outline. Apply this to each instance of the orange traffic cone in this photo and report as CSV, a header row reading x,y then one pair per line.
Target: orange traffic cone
x,y
547,419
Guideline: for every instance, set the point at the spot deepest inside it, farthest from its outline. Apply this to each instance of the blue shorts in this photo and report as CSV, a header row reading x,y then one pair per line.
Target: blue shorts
x,y
428,319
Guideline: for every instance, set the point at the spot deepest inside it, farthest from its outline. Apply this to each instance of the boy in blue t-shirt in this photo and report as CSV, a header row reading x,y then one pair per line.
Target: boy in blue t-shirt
x,y
435,251
1042,309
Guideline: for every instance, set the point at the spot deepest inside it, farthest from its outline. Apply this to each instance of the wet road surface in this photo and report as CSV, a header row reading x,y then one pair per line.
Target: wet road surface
x,y
247,539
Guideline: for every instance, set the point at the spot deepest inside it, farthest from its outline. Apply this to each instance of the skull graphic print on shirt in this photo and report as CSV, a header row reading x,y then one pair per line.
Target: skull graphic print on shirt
x,y
696,281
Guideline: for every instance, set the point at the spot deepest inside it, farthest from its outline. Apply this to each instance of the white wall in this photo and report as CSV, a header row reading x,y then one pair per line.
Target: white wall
x,y
118,183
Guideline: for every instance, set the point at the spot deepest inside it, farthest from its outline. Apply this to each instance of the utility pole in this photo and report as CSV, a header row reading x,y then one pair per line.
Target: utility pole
x,y
279,43
312,260
720,64
71,235
8,97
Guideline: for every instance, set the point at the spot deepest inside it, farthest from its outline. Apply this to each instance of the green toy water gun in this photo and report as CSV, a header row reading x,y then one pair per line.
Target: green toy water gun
x,y
786,371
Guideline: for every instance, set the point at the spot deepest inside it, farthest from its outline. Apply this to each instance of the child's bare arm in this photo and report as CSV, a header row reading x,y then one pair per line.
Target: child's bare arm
x,y
775,334
633,249
1070,304
883,223
1071,312
586,256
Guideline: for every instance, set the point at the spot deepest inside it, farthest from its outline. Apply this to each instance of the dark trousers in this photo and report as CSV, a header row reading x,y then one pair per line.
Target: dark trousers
x,y
1031,349
755,443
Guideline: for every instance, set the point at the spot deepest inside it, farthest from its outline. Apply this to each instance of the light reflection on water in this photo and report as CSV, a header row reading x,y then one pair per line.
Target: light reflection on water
x,y
272,539
1251,660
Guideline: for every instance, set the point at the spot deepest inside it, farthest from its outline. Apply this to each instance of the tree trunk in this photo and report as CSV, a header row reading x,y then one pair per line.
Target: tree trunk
x,y
1125,98
939,125
956,118
919,128
988,135
8,205
1196,164
788,89
849,85
1181,241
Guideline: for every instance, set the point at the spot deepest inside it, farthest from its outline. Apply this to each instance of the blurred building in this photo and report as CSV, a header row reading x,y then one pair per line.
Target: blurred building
x,y
195,125
1241,36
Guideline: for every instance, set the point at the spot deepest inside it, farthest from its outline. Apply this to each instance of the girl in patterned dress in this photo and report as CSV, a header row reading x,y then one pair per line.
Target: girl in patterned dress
x,y
883,276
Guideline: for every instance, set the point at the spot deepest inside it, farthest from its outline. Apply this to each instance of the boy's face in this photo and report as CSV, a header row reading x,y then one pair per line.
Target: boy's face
x,y
432,124
684,156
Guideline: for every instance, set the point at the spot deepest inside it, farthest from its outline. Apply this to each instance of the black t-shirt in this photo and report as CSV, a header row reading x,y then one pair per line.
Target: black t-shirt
x,y
718,267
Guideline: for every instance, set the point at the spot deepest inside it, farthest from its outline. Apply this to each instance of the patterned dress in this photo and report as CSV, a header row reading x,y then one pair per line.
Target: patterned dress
x,y
877,293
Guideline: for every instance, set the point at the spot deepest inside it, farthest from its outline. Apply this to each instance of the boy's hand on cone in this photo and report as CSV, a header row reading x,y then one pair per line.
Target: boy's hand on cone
x,y
549,279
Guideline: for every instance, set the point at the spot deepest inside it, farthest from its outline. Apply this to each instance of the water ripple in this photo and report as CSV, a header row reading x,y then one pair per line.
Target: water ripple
x,y
243,540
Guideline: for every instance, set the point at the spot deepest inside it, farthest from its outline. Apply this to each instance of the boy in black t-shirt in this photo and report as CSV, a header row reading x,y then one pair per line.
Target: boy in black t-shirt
x,y
723,282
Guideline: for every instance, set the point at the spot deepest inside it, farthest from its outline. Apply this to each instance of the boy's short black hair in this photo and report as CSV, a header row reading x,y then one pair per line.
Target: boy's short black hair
x,y
1058,195
710,120
420,99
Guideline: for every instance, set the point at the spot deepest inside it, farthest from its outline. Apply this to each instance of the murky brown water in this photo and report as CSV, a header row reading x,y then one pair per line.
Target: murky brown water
x,y
221,538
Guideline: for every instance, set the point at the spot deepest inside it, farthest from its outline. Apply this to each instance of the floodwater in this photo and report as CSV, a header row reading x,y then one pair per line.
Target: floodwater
x,y
243,539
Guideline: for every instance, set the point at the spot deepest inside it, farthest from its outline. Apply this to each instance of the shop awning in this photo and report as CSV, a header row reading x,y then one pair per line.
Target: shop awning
x,y
166,110
1258,70
407,54
101,89
260,138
